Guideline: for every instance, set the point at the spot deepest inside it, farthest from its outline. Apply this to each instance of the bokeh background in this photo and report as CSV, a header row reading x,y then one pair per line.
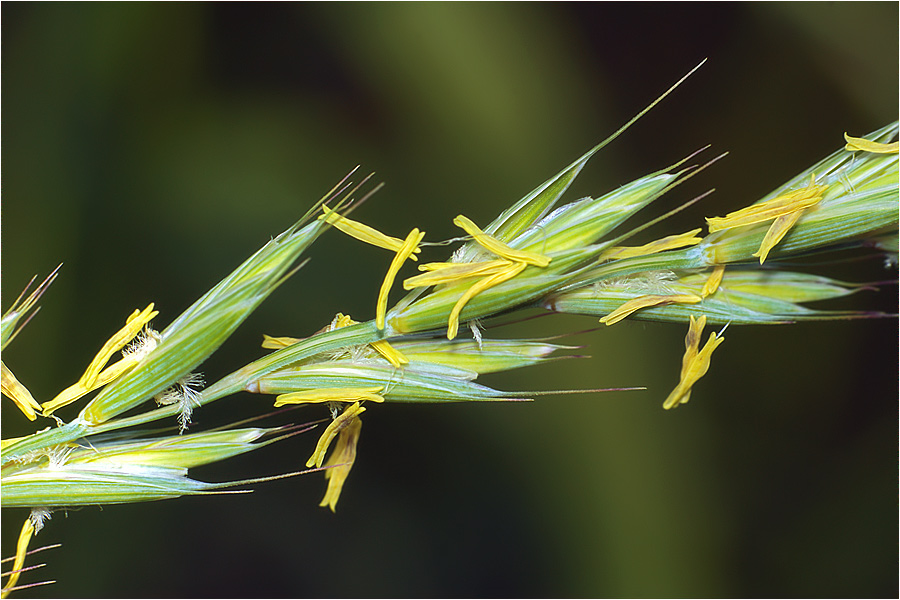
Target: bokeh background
x,y
151,147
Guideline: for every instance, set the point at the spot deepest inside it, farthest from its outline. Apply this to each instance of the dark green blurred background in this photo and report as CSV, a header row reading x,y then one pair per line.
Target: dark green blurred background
x,y
151,147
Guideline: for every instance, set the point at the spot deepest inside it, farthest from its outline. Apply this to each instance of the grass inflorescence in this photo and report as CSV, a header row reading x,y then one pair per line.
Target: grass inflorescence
x,y
542,252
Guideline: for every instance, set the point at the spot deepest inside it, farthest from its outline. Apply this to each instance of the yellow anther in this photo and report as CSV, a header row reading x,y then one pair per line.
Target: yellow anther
x,y
330,395
277,343
21,549
636,304
489,242
362,232
855,144
714,281
345,419
343,456
4,444
694,364
439,273
488,282
667,243
777,230
788,203
492,272
783,210
391,354
96,376
409,245
133,326
342,320
67,396
436,266
79,389
19,394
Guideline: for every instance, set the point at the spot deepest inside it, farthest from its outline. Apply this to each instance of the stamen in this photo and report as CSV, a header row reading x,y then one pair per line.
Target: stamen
x,y
777,230
636,304
393,356
714,281
79,389
489,242
133,326
791,202
439,273
18,393
667,243
405,251
362,232
330,395
343,420
21,549
694,364
488,282
277,343
94,377
341,320
863,145
785,210
343,456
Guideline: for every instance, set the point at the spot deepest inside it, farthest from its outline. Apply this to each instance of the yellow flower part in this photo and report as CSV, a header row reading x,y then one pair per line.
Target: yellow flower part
x,y
694,364
791,202
79,389
667,243
330,395
691,349
18,393
363,232
636,304
21,548
133,326
342,320
277,343
439,273
493,272
855,144
405,251
4,444
777,230
345,419
714,281
94,377
489,242
488,282
341,461
391,354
